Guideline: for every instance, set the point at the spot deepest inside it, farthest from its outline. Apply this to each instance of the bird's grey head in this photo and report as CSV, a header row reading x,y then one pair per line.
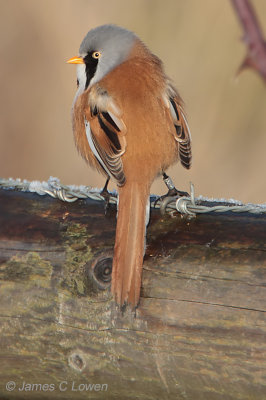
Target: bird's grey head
x,y
102,49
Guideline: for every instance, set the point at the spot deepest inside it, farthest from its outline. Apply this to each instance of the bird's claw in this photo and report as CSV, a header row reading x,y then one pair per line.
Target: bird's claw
x,y
106,196
171,195
168,198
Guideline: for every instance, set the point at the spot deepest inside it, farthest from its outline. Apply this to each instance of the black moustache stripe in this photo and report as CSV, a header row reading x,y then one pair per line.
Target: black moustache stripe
x,y
91,65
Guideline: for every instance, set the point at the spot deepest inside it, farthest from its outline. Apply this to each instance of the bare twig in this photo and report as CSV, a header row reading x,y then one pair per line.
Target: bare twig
x,y
253,37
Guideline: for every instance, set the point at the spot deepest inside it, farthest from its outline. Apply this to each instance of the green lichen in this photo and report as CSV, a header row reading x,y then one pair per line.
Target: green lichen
x,y
78,253
27,268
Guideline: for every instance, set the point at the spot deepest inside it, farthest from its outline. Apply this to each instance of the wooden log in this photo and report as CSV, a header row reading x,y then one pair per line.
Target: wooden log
x,y
199,332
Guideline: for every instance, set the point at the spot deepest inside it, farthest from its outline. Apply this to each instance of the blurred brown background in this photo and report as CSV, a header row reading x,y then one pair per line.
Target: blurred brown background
x,y
199,42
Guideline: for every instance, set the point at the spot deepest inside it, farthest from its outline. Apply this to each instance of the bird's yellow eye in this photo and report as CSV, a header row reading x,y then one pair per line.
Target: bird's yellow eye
x,y
96,54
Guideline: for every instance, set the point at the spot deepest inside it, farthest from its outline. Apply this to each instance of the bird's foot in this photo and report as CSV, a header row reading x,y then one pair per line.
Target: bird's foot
x,y
172,193
106,196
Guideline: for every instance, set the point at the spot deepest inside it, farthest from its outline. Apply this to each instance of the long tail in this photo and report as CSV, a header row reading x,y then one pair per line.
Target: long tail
x,y
133,212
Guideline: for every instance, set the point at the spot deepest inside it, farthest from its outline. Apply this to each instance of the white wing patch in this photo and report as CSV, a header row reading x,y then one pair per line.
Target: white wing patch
x,y
92,146
182,133
105,131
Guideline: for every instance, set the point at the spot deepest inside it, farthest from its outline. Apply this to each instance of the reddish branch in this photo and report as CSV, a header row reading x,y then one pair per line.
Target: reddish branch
x,y
253,37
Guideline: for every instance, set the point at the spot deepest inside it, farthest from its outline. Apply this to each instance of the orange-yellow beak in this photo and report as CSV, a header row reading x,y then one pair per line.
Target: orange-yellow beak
x,y
75,60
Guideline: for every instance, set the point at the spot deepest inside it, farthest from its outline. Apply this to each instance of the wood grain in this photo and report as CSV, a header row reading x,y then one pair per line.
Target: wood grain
x,y
199,332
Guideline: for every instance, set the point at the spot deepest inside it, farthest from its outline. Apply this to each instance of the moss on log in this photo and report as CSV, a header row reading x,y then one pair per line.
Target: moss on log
x,y
199,332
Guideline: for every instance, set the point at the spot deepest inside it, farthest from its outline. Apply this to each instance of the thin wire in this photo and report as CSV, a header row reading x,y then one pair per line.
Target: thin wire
x,y
185,205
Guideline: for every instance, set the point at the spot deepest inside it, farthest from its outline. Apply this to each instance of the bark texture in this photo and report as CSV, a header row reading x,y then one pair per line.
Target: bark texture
x,y
199,332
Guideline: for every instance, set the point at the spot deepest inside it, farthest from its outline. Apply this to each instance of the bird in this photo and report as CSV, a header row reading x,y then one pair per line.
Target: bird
x,y
129,123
